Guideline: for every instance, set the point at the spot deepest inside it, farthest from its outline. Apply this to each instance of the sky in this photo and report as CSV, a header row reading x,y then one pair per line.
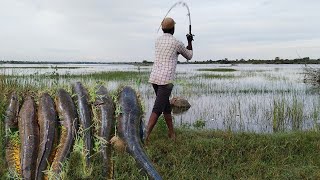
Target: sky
x,y
126,30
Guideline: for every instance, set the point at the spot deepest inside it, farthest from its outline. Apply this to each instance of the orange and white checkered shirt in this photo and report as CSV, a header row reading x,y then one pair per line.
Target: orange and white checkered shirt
x,y
164,67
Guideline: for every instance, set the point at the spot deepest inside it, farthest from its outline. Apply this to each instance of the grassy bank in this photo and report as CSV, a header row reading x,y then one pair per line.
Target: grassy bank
x,y
222,155
215,155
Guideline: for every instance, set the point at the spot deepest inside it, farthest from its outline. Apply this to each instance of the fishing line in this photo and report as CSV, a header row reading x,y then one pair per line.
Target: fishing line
x,y
183,4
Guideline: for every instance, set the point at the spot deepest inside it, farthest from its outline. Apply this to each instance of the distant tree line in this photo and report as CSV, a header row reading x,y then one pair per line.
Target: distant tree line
x,y
276,60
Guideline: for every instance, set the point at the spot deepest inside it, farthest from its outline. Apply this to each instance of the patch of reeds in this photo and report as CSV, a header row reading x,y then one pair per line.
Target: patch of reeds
x,y
312,75
108,75
316,116
287,116
217,76
296,114
279,115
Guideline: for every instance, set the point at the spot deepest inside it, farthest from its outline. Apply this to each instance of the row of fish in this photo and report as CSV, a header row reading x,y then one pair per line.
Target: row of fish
x,y
47,132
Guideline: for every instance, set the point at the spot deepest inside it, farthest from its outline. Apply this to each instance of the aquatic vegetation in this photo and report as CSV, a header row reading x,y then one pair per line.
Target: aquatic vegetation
x,y
296,114
279,115
255,82
199,124
252,99
217,76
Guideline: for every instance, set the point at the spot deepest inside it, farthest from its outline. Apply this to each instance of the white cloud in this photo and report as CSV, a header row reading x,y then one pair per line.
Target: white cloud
x,y
125,30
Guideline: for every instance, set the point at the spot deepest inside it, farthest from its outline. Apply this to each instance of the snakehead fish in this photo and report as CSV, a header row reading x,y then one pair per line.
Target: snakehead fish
x,y
68,120
11,118
129,130
85,116
12,141
29,136
106,116
47,119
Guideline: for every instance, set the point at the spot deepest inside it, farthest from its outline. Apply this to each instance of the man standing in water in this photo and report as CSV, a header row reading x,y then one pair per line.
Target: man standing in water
x,y
163,73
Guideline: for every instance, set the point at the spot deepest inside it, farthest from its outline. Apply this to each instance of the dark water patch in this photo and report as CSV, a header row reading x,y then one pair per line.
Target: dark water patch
x,y
218,69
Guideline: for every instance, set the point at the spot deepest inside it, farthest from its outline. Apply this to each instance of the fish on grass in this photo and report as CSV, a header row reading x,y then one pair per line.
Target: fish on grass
x,y
106,117
47,119
85,117
129,124
29,137
69,122
11,142
11,117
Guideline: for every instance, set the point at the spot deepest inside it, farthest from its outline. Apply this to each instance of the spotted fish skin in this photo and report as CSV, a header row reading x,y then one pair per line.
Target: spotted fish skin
x,y
106,116
13,156
129,130
47,119
29,136
68,114
85,117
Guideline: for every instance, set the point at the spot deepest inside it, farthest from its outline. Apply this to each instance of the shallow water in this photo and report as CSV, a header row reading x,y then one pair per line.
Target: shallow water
x,y
257,98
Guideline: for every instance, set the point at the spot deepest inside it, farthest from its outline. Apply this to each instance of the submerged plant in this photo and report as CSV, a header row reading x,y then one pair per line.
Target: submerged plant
x,y
279,115
296,114
199,124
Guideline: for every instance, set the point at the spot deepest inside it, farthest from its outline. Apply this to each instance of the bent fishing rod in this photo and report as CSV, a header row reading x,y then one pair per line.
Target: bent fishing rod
x,y
183,4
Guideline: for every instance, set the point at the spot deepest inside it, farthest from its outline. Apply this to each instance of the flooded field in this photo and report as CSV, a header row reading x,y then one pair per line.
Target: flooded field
x,y
255,98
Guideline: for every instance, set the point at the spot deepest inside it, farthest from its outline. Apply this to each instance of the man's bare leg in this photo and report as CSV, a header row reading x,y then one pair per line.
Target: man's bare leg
x,y
152,122
168,119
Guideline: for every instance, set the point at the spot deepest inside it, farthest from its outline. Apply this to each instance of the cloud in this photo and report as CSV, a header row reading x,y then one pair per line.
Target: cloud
x,y
125,30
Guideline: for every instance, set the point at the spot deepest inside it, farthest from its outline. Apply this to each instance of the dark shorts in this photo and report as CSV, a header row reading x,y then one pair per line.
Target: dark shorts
x,y
162,103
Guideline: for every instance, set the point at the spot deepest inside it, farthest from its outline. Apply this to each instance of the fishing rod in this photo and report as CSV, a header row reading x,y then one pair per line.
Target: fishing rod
x,y
183,4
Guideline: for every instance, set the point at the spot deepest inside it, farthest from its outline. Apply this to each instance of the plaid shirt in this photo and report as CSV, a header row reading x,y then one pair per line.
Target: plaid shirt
x,y
167,50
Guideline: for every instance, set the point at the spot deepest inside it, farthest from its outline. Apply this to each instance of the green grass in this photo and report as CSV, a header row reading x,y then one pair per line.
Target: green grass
x,y
2,136
218,69
218,155
223,155
215,154
108,75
